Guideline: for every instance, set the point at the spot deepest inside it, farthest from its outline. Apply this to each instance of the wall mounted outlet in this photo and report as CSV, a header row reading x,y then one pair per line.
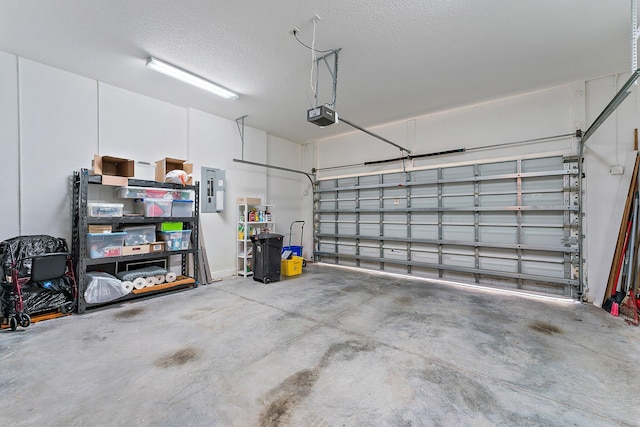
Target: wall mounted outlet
x,y
616,170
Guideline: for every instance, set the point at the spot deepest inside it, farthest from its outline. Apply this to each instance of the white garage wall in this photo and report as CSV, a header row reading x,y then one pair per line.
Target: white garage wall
x,y
534,115
65,119
214,142
605,197
294,191
137,127
555,111
9,146
58,134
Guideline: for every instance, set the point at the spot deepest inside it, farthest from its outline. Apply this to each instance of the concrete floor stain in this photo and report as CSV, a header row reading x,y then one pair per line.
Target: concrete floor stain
x,y
545,328
126,314
178,358
288,394
404,300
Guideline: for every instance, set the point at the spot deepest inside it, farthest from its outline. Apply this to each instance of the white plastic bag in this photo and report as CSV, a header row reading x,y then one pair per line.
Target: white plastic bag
x,y
102,287
177,176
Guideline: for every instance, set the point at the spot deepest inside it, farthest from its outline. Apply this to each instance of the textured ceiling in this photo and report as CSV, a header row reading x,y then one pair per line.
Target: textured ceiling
x,y
399,59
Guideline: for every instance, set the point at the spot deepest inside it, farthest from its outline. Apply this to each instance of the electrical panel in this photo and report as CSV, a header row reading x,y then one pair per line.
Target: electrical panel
x,y
213,188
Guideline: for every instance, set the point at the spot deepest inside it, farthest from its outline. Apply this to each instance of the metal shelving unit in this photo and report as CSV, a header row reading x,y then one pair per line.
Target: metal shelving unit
x,y
81,182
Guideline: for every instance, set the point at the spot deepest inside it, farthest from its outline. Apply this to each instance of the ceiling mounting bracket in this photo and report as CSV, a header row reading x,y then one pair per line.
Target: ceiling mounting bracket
x,y
240,124
332,72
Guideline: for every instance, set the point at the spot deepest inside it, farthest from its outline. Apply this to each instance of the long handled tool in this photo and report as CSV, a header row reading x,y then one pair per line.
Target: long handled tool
x,y
611,303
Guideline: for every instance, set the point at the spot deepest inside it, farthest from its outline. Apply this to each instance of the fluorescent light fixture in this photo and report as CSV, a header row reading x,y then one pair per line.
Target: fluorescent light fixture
x,y
190,78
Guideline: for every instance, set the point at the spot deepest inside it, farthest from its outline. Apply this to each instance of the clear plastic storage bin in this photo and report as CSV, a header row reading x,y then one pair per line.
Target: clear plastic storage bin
x,y
175,240
104,210
139,235
181,208
153,193
103,245
153,207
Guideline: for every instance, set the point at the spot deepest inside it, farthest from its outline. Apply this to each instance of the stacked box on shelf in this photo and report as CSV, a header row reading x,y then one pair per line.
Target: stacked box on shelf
x,y
155,208
170,226
139,235
104,210
182,208
175,240
153,193
104,245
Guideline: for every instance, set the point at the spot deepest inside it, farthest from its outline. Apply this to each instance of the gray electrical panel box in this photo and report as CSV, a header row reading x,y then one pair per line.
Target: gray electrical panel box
x,y
212,188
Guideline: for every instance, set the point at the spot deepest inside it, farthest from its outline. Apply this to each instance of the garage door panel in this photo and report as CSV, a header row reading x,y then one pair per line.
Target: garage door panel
x,y
505,235
369,229
424,190
424,231
498,168
395,203
457,201
542,164
424,217
346,204
543,183
499,264
424,202
458,217
458,260
542,218
458,233
498,186
542,236
495,200
369,203
348,228
394,230
458,188
425,257
542,199
502,218
458,172
471,222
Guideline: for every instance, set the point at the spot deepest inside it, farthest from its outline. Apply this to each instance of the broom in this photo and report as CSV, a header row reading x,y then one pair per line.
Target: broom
x,y
629,308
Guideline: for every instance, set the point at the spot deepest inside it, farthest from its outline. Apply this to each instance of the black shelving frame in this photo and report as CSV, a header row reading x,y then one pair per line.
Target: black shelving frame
x,y
81,181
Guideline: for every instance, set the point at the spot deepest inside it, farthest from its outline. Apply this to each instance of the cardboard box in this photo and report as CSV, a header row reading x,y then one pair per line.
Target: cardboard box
x,y
100,228
135,250
114,170
156,247
168,164
249,201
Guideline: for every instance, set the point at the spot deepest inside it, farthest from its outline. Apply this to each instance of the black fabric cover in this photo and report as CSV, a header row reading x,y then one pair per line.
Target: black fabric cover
x,y
40,296
26,246
36,296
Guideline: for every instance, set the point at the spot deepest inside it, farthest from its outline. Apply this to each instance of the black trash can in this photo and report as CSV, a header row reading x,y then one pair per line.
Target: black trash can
x,y
267,252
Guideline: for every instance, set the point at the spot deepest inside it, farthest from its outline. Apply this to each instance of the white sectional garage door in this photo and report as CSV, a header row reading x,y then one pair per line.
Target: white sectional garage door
x,y
509,224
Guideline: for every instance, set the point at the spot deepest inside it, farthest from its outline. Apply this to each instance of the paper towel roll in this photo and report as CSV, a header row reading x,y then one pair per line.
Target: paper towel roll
x,y
139,283
171,277
127,286
151,281
159,279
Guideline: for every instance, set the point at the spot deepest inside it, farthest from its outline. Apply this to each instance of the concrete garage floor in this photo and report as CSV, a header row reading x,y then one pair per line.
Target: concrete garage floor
x,y
328,348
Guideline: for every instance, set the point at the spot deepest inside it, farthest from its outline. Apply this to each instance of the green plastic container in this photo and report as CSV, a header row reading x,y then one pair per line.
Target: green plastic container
x,y
171,226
